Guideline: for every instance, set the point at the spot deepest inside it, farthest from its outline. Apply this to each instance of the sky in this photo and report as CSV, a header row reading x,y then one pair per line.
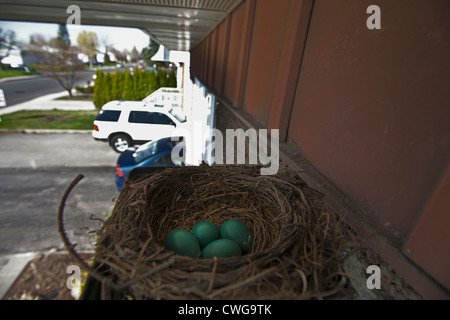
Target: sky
x,y
119,38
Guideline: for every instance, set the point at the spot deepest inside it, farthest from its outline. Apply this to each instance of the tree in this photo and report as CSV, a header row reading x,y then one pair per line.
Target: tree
x,y
117,85
88,42
7,41
108,47
134,55
127,93
99,96
149,83
63,37
58,60
120,57
126,55
162,77
172,81
139,84
126,86
148,52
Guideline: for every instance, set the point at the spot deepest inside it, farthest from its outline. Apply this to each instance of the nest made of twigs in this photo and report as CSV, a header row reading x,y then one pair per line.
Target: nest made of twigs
x,y
297,246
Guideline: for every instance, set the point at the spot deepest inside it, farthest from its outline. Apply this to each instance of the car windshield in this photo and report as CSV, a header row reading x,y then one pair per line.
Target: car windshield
x,y
145,153
178,115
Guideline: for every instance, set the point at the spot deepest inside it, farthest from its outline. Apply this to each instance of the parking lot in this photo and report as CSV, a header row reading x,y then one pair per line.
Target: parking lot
x,y
35,171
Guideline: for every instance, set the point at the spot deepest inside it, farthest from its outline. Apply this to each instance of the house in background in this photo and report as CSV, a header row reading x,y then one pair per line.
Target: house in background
x,y
14,57
18,56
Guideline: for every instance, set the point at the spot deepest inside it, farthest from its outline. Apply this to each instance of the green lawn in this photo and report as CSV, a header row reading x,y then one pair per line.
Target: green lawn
x,y
49,119
82,97
15,73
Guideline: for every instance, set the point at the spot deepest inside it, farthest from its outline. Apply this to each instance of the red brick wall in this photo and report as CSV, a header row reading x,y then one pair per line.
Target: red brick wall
x,y
369,109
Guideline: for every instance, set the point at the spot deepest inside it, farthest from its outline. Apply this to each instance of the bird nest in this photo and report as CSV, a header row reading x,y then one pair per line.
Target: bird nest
x,y
297,240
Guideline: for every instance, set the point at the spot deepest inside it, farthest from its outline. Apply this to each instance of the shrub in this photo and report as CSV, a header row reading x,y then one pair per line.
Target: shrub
x,y
99,97
87,90
126,86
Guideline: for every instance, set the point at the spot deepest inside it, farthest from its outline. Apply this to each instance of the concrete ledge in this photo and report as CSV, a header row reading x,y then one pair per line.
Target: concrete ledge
x,y
10,268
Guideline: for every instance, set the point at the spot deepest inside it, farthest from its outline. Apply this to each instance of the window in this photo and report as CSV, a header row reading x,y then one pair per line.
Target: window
x,y
140,117
149,117
151,150
159,118
108,115
164,161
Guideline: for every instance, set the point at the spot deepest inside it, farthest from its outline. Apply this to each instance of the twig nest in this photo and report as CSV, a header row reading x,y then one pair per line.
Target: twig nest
x,y
293,248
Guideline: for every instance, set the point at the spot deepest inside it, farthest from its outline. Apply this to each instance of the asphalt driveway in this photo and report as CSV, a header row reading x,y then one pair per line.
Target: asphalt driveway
x,y
35,170
18,150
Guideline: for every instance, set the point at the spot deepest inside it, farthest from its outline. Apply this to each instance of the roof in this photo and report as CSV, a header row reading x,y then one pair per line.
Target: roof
x,y
176,24
128,104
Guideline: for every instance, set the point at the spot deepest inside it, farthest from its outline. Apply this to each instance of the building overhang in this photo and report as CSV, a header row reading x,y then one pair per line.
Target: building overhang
x,y
176,24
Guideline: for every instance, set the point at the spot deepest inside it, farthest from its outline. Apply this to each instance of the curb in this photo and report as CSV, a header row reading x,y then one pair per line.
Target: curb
x,y
43,131
25,77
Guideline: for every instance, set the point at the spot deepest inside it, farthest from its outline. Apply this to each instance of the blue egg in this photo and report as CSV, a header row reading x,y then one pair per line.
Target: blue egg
x,y
221,248
237,231
206,232
183,242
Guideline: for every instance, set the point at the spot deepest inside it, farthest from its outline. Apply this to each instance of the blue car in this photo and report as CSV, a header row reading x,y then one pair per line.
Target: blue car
x,y
151,154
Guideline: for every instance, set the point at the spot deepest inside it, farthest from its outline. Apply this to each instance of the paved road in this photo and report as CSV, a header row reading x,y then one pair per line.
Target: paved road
x,y
20,90
34,172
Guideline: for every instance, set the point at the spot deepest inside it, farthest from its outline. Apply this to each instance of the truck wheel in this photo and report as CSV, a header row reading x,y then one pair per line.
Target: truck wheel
x,y
120,143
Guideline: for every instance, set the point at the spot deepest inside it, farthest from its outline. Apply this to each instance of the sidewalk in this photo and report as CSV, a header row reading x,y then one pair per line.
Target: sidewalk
x,y
48,102
6,79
